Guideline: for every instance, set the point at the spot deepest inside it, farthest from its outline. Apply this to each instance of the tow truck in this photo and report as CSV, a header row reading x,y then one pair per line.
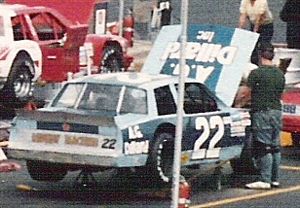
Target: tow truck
x,y
44,43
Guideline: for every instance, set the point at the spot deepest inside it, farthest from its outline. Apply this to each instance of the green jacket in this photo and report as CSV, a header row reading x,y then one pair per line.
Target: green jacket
x,y
267,84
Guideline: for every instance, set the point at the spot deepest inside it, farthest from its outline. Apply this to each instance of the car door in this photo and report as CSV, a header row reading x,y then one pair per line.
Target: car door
x,y
58,59
207,128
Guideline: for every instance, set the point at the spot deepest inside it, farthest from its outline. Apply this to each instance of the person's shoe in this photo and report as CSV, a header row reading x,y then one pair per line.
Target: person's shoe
x,y
275,184
258,185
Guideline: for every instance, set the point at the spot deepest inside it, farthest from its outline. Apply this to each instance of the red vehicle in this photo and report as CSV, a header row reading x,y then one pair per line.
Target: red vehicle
x,y
291,113
40,47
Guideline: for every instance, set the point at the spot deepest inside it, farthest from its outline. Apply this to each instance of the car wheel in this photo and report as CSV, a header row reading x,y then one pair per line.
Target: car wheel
x,y
18,88
245,164
111,60
162,158
295,139
44,171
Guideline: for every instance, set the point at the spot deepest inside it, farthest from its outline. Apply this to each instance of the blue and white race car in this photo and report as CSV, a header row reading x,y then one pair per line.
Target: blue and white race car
x,y
126,120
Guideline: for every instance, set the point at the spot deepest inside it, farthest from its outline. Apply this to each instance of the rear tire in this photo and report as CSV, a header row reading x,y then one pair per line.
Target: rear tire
x,y
44,171
162,158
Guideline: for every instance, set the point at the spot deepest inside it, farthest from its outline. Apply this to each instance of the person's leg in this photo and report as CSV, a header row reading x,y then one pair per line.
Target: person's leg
x,y
275,166
265,167
266,33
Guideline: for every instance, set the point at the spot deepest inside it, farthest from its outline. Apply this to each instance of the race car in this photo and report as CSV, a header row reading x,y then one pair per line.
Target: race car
x,y
40,48
291,112
126,120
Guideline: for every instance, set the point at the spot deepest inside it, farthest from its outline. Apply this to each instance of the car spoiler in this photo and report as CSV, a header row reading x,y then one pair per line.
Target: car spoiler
x,y
66,117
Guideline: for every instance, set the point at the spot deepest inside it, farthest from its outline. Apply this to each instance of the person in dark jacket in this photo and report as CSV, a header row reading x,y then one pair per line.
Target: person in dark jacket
x,y
267,84
290,14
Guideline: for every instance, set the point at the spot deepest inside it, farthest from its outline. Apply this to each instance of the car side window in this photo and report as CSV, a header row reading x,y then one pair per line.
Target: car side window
x,y
197,100
164,101
18,29
47,26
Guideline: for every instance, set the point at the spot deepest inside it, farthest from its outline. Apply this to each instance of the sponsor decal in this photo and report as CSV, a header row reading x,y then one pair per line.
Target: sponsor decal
x,y
215,55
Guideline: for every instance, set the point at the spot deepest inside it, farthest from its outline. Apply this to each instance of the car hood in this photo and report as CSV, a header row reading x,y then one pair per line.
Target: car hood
x,y
215,55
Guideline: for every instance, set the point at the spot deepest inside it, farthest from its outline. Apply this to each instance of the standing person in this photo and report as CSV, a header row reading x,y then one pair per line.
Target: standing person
x,y
290,14
266,84
257,12
166,9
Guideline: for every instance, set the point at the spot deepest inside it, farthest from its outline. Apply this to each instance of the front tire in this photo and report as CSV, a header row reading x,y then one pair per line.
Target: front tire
x,y
162,158
44,171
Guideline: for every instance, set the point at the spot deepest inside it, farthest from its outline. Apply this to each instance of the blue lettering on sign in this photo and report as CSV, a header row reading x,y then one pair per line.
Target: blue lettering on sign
x,y
207,50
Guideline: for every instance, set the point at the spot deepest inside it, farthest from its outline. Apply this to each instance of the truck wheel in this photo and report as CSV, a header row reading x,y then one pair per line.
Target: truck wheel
x,y
44,171
19,83
162,158
111,60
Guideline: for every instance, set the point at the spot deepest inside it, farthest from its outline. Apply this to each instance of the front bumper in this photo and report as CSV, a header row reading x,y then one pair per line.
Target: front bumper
x,y
78,159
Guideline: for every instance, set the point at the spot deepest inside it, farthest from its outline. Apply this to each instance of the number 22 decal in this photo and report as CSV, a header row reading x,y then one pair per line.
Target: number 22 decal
x,y
202,123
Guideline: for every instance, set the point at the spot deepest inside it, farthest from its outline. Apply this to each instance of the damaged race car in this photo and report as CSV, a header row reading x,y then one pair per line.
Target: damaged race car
x,y
126,120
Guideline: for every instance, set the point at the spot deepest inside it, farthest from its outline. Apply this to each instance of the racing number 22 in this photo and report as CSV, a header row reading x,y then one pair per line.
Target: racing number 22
x,y
202,123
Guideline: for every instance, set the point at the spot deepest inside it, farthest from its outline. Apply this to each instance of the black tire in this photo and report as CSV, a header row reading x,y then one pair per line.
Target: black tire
x,y
112,60
296,139
44,171
18,88
161,158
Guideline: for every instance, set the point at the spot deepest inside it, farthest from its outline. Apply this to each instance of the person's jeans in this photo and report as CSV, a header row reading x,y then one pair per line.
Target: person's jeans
x,y
266,127
269,166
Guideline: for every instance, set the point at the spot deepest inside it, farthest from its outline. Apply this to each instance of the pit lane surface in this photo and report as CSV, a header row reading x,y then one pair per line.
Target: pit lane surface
x,y
19,190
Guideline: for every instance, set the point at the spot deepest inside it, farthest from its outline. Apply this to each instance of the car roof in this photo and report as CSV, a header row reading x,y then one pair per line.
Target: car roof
x,y
15,9
135,79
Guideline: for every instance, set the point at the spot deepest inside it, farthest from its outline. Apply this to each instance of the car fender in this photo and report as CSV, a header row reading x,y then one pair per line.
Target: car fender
x,y
31,48
99,43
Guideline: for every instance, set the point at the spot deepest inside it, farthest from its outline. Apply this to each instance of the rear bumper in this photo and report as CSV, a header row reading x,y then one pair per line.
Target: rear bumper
x,y
78,159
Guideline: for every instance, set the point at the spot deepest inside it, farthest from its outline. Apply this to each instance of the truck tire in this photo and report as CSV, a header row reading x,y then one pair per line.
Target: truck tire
x,y
112,60
18,88
44,171
162,158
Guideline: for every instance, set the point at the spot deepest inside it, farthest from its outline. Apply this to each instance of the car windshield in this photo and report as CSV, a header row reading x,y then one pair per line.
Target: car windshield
x,y
101,97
